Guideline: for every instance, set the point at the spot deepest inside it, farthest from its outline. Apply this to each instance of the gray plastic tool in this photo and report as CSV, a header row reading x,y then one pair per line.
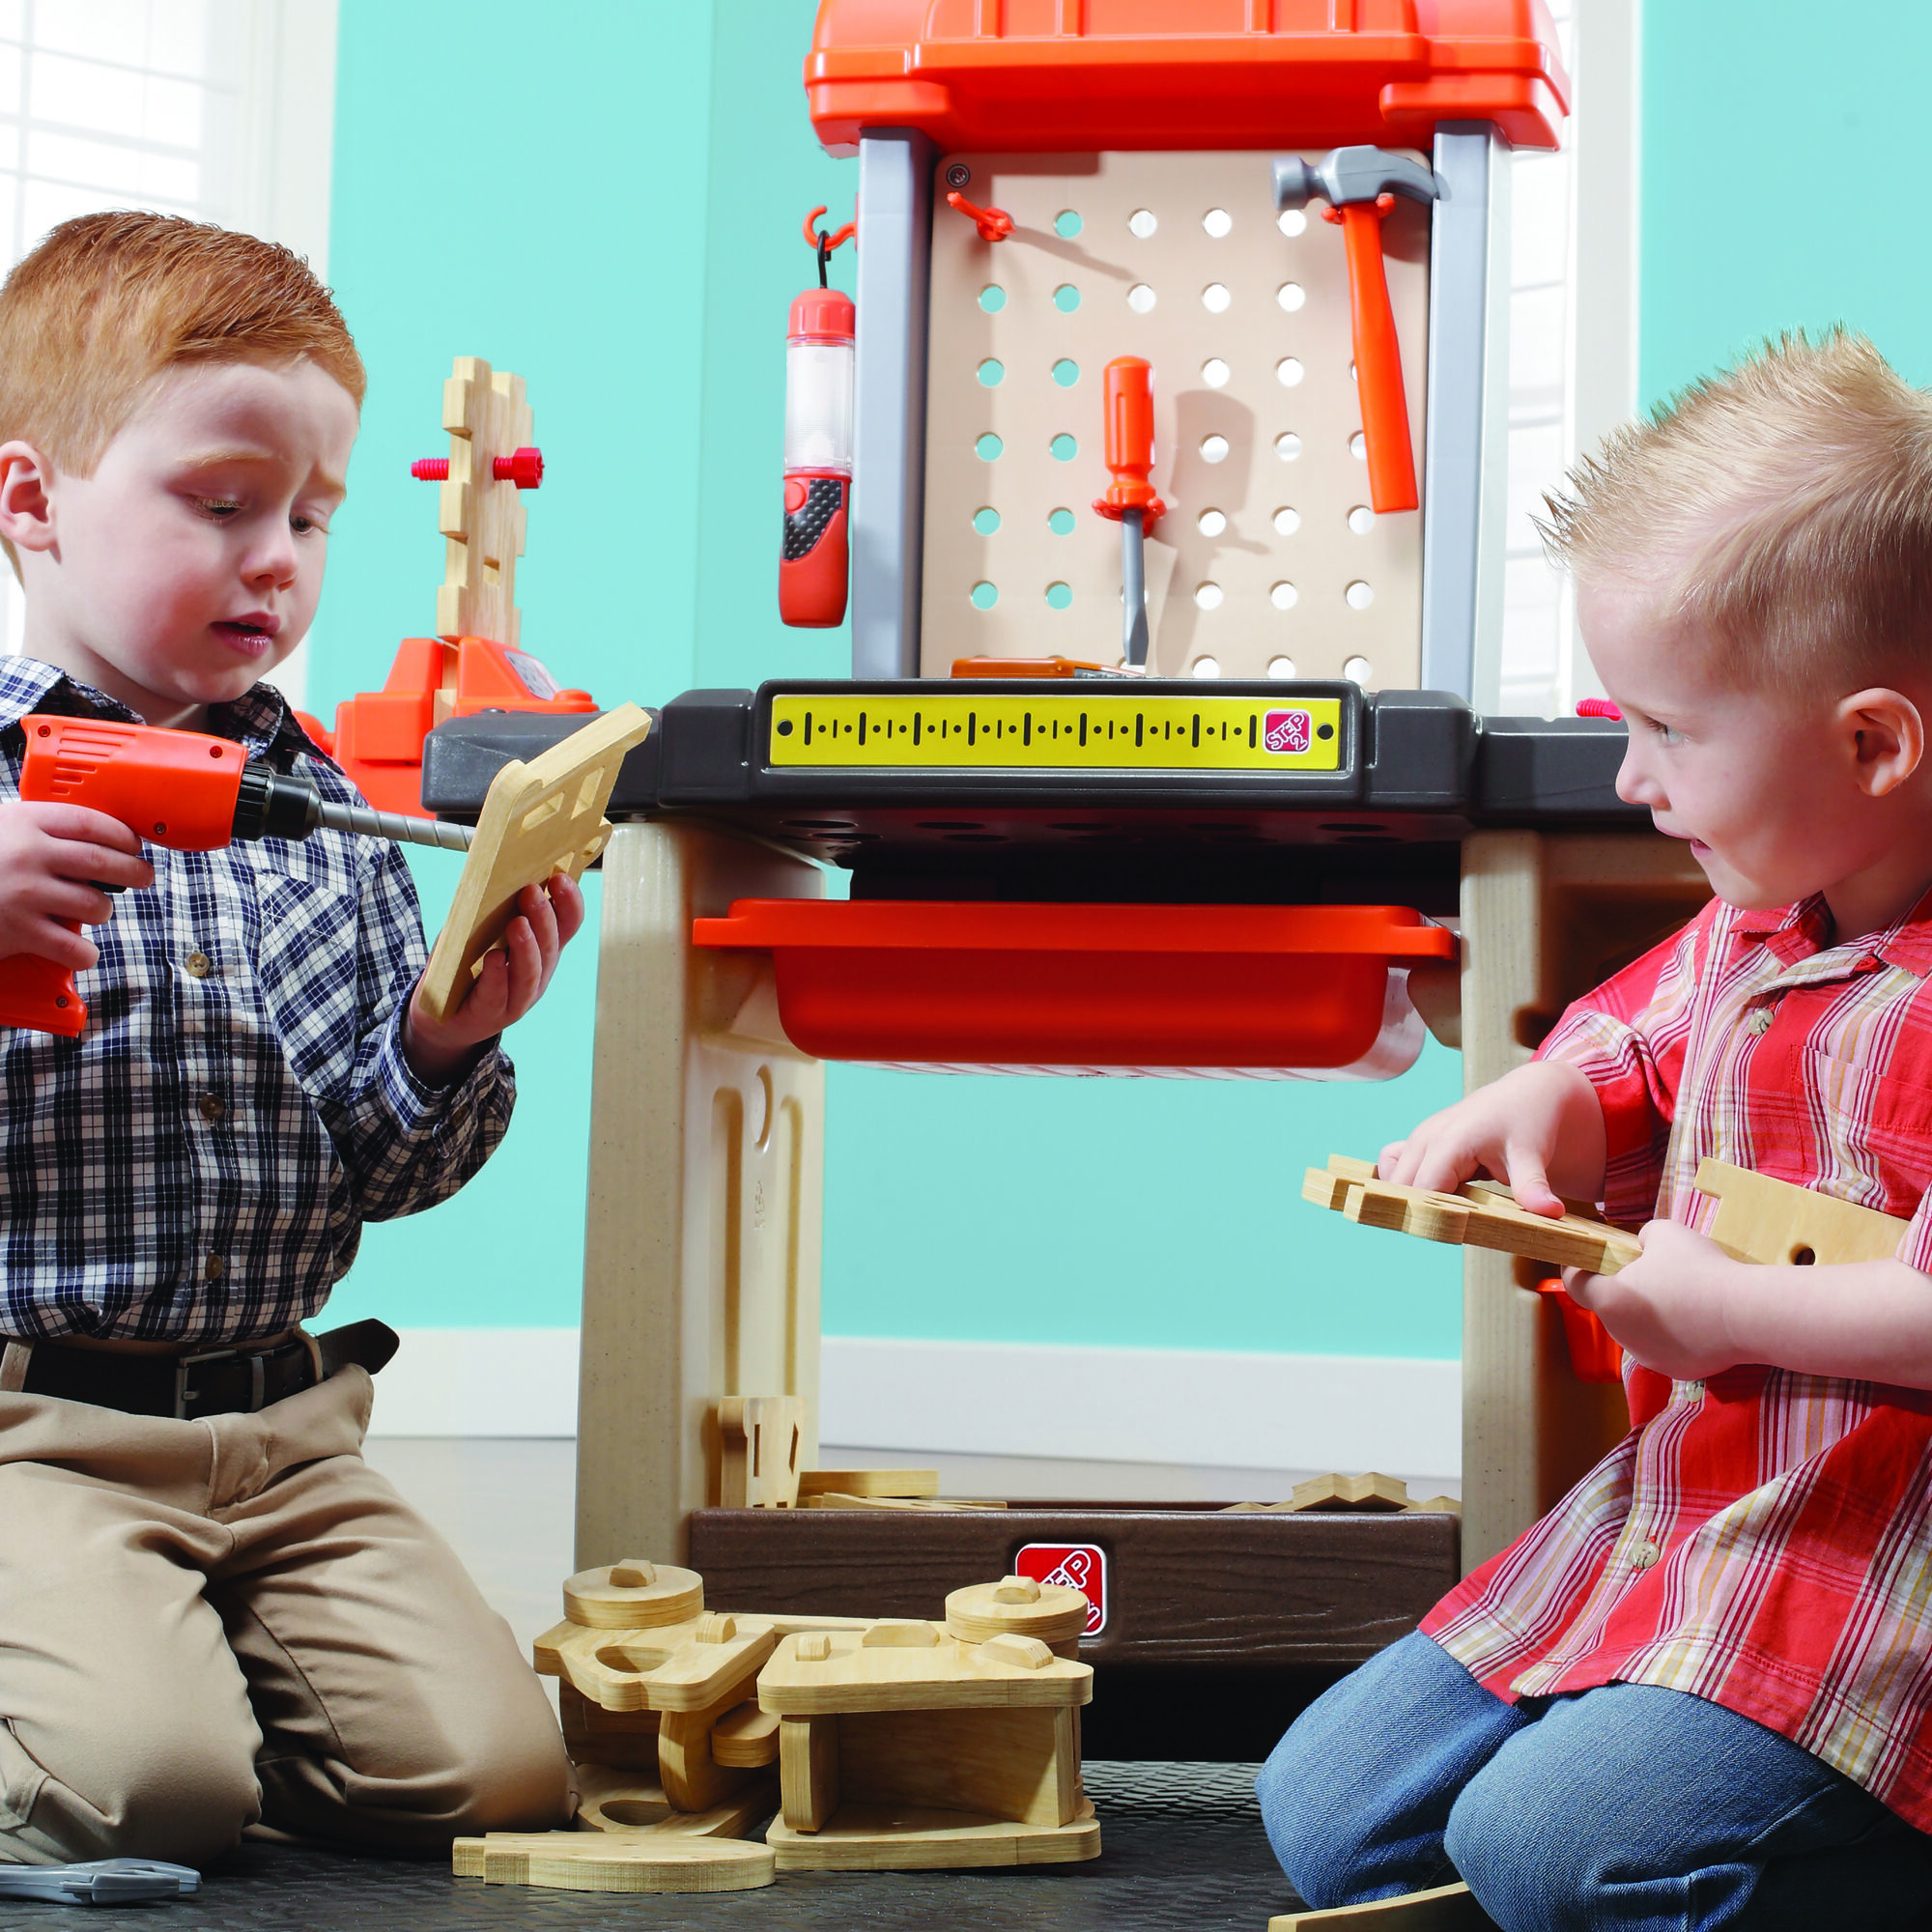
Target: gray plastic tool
x,y
103,1881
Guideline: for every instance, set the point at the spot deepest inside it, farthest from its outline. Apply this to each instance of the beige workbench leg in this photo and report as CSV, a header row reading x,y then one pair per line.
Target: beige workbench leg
x,y
702,1233
1544,918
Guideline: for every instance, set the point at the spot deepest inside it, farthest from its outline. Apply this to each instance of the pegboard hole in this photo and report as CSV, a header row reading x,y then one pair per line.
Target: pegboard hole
x,y
1206,668
1361,520
1142,223
1217,221
1293,222
1140,298
1283,596
992,299
1211,522
1286,522
987,520
1281,666
987,447
1214,373
1209,596
1060,522
1066,298
1214,297
1359,670
1358,446
1066,224
986,596
1059,595
1288,447
1214,448
1359,595
992,372
1067,372
1063,447
1291,296
1288,372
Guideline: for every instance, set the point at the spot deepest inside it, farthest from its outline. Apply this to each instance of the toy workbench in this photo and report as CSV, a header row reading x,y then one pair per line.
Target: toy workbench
x,y
1174,526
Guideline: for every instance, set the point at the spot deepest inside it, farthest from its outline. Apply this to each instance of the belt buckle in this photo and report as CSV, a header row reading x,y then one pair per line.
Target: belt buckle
x,y
184,1393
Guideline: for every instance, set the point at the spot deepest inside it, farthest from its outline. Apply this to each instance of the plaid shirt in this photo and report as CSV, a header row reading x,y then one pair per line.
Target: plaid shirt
x,y
1762,1538
197,1166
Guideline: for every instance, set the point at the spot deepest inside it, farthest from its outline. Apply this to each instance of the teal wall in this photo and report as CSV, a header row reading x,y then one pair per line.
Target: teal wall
x,y
1767,201
626,236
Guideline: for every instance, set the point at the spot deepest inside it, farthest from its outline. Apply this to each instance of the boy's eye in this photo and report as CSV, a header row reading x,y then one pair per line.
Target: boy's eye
x,y
220,508
1668,734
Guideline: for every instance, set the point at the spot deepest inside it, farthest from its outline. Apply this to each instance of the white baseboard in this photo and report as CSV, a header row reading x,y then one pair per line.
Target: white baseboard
x,y
988,1398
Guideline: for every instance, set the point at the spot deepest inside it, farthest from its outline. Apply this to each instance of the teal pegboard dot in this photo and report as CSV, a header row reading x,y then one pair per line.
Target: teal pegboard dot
x,y
1063,447
992,372
1066,224
1067,372
1060,522
1066,298
987,520
992,299
987,447
986,596
1059,595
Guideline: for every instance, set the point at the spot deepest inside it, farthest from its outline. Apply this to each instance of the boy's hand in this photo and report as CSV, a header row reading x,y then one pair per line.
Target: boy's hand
x,y
1542,1120
49,856
1669,1307
511,983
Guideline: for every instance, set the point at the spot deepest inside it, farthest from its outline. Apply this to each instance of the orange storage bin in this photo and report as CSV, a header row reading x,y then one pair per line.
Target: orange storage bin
x,y
1595,1353
1125,988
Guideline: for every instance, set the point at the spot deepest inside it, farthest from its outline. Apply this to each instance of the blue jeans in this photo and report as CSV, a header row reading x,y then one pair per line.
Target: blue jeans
x,y
1622,1807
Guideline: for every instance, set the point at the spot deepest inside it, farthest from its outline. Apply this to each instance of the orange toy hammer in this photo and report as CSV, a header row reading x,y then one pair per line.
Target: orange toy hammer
x,y
1360,184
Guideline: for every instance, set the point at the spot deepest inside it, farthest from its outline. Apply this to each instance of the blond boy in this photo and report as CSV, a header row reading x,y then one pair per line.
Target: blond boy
x,y
1699,1692
212,1612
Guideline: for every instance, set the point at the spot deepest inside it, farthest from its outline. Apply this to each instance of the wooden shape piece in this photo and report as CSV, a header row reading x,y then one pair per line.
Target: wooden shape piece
x,y
1369,1491
486,417
883,1838
947,1674
1053,1613
807,1770
537,819
759,1439
1445,1907
594,1600
614,1861
1018,1765
836,1500
615,1799
693,1777
893,1485
1776,1223
747,1736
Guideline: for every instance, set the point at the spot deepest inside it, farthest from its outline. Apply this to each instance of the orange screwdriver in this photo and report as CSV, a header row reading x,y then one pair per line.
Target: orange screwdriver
x,y
1130,500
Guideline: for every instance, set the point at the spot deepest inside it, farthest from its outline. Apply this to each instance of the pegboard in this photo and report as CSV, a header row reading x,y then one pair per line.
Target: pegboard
x,y
1179,258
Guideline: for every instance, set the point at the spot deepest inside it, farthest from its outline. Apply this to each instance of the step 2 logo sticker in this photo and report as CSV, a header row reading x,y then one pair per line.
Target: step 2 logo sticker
x,y
1079,1564
1287,731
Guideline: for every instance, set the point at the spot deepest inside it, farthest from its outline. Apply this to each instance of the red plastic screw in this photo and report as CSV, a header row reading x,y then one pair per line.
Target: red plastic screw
x,y
1598,707
525,468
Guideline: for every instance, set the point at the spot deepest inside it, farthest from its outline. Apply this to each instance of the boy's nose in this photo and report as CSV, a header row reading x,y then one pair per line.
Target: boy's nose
x,y
1637,786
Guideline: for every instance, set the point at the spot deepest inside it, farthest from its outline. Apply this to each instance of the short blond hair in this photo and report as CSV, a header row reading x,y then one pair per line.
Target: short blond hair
x,y
1784,508
108,302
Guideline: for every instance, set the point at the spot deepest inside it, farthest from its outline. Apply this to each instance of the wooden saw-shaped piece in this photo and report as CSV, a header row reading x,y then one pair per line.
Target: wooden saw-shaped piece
x,y
486,416
537,819
1759,1219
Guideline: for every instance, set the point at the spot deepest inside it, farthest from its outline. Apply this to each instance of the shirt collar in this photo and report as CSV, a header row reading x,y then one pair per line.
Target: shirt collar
x,y
1794,932
259,719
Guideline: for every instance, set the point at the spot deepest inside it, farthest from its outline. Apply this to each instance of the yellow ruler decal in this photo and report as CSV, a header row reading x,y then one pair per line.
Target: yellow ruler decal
x,y
1053,732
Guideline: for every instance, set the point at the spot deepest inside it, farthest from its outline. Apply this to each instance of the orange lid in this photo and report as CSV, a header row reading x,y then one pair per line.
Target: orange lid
x,y
823,315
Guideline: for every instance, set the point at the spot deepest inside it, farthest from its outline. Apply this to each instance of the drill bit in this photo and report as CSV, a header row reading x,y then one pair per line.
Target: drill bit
x,y
398,826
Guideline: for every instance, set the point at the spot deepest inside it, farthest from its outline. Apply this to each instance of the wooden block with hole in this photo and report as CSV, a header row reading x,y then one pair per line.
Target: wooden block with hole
x,y
612,1797
1443,1908
759,1439
905,1748
1772,1222
537,819
614,1862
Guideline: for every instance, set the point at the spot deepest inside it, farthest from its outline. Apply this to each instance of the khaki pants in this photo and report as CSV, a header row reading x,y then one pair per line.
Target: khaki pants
x,y
203,1624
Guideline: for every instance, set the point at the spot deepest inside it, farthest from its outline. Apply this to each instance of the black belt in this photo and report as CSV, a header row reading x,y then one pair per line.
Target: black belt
x,y
212,1381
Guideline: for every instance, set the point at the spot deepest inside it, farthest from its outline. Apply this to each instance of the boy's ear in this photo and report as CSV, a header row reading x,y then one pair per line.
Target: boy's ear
x,y
1883,732
26,510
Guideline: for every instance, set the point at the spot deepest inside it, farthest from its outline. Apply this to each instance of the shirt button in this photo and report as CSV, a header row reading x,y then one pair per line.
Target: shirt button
x,y
1760,1021
200,965
212,1107
213,1269
1642,1557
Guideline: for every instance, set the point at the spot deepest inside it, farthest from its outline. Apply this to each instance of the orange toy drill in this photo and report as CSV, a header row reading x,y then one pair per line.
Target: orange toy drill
x,y
179,789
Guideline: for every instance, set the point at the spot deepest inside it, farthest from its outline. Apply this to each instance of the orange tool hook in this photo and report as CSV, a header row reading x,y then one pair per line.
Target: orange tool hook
x,y
994,224
836,239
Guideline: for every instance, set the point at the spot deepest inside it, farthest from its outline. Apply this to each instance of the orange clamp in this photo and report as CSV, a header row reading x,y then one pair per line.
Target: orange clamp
x,y
1130,441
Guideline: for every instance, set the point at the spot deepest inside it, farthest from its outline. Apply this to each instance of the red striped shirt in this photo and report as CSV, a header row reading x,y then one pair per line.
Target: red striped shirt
x,y
1764,1538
